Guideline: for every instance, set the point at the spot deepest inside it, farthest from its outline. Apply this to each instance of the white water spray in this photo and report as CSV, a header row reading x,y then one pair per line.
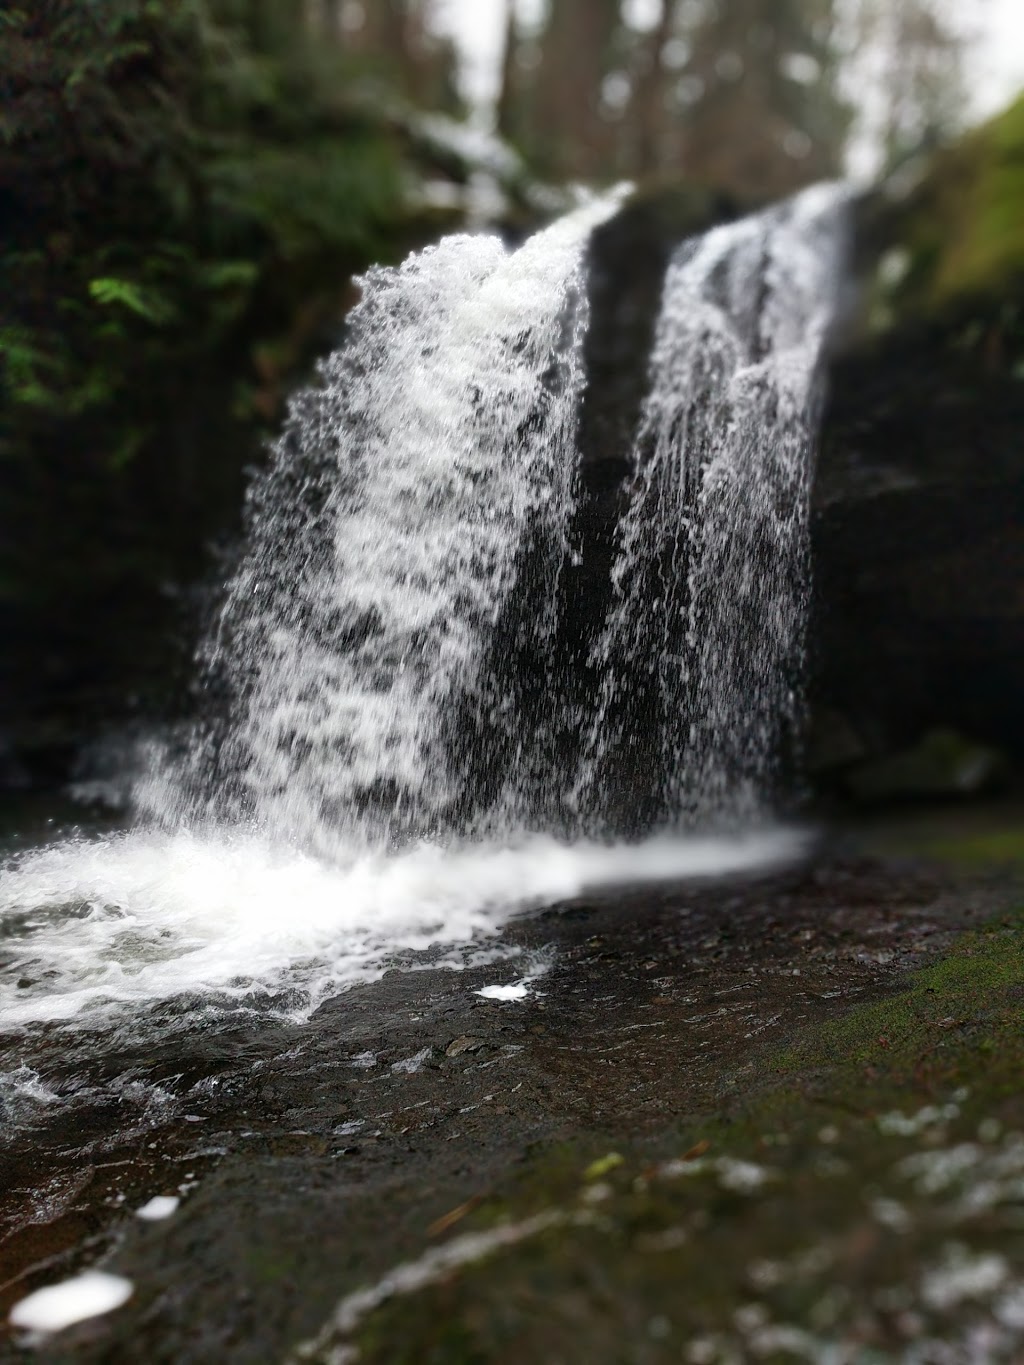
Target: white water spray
x,y
95,927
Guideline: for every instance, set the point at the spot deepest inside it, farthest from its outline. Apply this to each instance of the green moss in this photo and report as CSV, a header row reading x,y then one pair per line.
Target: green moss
x,y
998,847
803,1215
964,223
990,244
961,1001
989,844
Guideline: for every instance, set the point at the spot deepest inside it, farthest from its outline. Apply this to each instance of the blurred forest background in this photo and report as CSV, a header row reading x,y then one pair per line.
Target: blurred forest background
x,y
187,188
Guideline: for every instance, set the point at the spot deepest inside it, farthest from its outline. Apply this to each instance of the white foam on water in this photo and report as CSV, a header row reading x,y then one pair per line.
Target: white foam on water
x,y
62,1305
519,990
146,917
23,1090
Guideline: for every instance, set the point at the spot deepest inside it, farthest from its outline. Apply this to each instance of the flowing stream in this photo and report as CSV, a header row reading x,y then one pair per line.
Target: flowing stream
x,y
395,760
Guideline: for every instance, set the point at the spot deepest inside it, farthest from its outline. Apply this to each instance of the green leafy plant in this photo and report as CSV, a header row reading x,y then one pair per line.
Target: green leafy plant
x,y
143,303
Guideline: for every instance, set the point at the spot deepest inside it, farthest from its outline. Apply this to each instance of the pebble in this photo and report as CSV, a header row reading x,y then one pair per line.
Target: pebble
x,y
467,1043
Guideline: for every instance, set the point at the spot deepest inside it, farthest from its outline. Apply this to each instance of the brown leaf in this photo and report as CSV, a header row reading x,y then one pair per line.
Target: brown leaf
x,y
698,1149
456,1215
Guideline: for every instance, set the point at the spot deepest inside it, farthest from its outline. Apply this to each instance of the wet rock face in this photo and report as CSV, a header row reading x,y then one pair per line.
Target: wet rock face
x,y
627,262
919,546
918,617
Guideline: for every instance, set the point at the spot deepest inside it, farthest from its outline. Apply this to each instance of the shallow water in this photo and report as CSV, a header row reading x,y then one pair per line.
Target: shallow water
x,y
158,994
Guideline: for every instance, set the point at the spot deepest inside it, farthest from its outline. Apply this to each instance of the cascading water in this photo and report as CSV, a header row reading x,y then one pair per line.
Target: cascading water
x,y
436,459
701,660
404,759
429,483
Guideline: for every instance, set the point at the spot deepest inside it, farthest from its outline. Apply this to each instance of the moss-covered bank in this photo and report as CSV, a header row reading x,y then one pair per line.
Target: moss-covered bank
x,y
860,1202
962,221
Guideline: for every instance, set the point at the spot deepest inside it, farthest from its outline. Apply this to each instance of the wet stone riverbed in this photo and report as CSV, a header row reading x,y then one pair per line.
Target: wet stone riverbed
x,y
769,1118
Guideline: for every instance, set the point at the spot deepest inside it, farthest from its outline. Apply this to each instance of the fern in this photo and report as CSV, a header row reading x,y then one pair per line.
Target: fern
x,y
144,303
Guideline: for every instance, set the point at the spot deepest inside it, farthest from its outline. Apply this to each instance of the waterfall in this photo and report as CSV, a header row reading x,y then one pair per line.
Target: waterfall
x,y
406,742
389,645
701,660
430,475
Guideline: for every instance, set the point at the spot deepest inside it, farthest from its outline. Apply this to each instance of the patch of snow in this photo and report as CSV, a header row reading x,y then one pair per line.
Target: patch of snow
x,y
412,1276
742,1177
473,145
933,1172
1010,1308
62,1305
963,1276
159,1207
898,1124
891,1214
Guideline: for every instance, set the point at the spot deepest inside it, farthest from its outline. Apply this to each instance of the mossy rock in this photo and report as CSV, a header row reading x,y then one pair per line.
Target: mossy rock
x,y
943,765
858,1203
963,221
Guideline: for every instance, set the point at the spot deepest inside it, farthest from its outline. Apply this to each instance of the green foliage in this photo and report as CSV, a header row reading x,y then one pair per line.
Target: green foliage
x,y
963,224
131,296
161,175
332,195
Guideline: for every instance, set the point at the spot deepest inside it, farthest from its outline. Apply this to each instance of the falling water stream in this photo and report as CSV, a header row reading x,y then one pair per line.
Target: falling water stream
x,y
371,783
701,659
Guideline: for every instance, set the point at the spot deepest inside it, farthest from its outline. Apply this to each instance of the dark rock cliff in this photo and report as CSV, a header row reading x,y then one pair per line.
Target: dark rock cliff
x,y
918,540
918,530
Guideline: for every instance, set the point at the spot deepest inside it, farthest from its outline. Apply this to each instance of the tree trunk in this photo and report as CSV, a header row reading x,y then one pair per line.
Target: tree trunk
x,y
648,112
508,113
569,129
